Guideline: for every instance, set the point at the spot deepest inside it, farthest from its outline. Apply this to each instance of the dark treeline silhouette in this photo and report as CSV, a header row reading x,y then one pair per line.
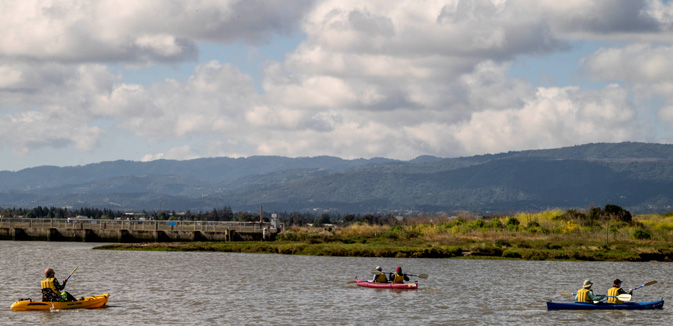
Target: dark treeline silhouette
x,y
223,214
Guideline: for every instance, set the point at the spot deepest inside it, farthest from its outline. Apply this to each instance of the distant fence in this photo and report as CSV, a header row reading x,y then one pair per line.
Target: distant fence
x,y
132,230
147,225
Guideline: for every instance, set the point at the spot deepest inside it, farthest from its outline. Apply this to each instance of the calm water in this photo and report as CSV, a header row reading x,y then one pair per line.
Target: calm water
x,y
163,288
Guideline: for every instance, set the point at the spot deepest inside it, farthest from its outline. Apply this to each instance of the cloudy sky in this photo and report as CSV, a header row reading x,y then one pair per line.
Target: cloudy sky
x,y
90,81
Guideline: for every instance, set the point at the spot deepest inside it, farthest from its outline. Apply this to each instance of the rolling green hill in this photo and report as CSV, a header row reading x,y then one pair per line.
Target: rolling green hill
x,y
636,176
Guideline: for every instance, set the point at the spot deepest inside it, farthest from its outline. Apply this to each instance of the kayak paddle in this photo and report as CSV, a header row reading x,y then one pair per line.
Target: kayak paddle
x,y
621,297
423,276
646,284
73,272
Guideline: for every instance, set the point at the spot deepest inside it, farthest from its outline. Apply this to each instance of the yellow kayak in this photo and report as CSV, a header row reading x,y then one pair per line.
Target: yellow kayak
x,y
96,301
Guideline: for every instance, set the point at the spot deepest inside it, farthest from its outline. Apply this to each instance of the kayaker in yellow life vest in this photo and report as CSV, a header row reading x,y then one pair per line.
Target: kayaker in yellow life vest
x,y
398,276
380,277
585,294
51,288
616,290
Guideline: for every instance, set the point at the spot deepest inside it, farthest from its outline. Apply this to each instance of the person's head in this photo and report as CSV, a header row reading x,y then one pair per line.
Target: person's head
x,y
399,270
617,282
587,284
378,268
48,272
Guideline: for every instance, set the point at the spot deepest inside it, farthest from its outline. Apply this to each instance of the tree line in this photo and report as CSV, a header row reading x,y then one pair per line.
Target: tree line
x,y
217,214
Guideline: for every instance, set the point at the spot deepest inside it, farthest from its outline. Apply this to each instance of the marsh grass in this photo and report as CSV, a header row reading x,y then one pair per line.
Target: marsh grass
x,y
548,235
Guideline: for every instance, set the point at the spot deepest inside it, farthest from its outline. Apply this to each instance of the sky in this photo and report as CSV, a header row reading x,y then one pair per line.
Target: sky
x,y
90,81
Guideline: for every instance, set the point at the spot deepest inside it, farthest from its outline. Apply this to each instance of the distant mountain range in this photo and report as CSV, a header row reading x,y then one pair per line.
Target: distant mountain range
x,y
636,176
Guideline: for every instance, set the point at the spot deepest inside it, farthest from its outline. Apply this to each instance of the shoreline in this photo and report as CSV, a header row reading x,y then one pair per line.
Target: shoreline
x,y
475,250
600,235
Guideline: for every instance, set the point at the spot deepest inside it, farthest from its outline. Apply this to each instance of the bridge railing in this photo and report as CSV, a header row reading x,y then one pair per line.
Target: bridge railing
x,y
149,225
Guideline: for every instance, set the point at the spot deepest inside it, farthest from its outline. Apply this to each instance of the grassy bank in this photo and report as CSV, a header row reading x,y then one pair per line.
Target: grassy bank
x,y
549,235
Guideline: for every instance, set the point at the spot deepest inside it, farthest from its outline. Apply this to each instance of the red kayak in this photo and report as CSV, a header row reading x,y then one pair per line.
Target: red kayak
x,y
402,286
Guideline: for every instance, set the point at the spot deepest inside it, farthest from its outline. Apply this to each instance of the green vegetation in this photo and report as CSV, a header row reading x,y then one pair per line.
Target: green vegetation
x,y
548,235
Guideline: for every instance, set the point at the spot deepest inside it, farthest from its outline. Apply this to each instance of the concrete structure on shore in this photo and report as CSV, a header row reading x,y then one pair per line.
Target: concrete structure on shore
x,y
133,230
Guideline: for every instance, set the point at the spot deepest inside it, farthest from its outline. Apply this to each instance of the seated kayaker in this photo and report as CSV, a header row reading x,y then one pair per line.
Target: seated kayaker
x,y
586,294
398,276
616,290
51,288
380,277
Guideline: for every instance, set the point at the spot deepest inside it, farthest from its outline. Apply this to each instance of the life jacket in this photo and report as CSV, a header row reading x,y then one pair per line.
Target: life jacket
x,y
397,278
612,293
48,283
381,278
583,296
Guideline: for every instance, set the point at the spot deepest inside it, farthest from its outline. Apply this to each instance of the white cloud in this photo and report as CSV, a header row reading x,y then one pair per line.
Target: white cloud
x,y
647,69
176,153
555,117
635,64
51,105
136,31
377,78
213,100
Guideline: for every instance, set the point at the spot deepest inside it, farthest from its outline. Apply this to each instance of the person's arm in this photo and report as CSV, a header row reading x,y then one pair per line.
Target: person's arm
x,y
59,286
406,278
595,297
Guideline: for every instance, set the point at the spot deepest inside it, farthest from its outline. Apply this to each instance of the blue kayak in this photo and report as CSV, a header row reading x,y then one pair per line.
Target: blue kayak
x,y
602,305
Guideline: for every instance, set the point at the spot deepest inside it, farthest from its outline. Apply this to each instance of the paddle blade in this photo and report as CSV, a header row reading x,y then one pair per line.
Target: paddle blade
x,y
423,276
565,293
351,282
624,297
646,284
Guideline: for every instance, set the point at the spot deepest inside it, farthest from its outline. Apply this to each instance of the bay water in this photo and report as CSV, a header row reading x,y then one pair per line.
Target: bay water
x,y
210,288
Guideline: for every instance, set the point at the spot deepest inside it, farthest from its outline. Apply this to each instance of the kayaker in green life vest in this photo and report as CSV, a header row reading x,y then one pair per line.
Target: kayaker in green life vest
x,y
51,288
616,290
380,277
585,294
398,276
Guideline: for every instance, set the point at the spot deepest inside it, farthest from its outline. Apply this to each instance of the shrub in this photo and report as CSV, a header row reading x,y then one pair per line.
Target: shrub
x,y
553,246
502,243
641,234
617,213
532,224
512,221
511,253
390,235
493,224
487,251
476,224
